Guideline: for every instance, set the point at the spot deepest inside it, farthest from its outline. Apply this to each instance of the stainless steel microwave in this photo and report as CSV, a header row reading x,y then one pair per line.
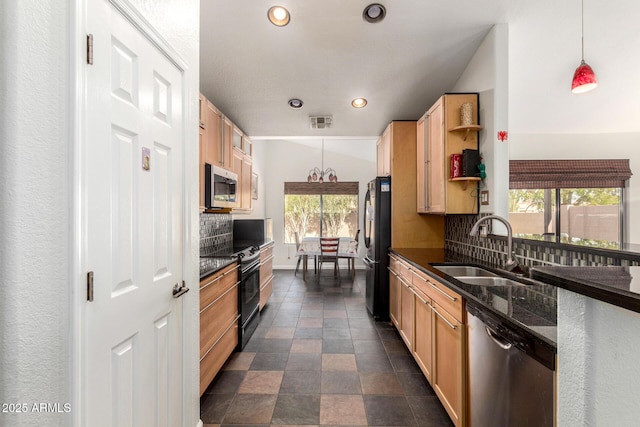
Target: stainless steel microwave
x,y
220,187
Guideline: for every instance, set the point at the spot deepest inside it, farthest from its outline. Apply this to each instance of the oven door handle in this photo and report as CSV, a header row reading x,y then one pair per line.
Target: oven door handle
x,y
250,269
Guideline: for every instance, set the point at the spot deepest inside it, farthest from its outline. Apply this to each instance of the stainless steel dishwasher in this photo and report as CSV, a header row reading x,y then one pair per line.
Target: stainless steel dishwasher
x,y
508,387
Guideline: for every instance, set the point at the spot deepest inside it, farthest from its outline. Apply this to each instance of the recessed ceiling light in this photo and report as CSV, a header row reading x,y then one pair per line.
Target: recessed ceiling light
x,y
279,16
295,103
373,13
359,102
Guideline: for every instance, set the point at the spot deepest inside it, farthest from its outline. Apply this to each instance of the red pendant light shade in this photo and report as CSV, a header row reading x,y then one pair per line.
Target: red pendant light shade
x,y
584,79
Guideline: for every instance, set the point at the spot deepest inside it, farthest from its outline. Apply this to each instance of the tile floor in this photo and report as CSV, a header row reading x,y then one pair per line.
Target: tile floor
x,y
318,358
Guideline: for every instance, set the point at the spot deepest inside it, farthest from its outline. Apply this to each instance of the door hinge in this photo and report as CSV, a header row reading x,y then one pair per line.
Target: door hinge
x,y
90,49
90,286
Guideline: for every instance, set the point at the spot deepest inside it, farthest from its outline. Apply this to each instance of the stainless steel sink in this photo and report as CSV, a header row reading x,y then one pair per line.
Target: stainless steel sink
x,y
464,271
488,281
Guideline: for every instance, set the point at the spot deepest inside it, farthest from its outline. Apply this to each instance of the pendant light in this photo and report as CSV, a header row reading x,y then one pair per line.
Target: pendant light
x,y
317,174
584,79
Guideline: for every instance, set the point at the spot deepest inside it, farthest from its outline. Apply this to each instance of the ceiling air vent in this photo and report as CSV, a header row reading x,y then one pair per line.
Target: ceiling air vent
x,y
320,122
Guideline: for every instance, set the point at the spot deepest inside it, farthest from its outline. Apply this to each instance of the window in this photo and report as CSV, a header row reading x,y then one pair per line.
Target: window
x,y
314,209
569,201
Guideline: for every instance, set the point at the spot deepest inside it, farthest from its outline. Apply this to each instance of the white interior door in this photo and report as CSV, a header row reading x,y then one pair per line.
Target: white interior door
x,y
132,352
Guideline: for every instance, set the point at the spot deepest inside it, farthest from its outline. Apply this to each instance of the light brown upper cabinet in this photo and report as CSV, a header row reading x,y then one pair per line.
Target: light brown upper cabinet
x,y
223,144
226,158
242,166
212,125
408,228
441,134
383,154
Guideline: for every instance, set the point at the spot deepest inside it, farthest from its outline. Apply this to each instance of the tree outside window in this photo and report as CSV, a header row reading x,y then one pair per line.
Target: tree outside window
x,y
328,209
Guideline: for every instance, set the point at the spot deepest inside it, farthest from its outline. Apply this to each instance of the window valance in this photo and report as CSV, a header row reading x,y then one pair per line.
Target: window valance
x,y
606,173
321,188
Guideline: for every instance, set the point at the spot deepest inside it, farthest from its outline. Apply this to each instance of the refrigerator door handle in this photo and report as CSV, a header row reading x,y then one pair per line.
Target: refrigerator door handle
x,y
369,262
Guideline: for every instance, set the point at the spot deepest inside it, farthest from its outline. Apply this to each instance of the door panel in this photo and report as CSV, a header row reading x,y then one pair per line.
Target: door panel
x,y
133,163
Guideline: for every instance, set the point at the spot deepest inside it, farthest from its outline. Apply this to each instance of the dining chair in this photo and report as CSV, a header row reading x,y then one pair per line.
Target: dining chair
x,y
351,261
329,253
297,249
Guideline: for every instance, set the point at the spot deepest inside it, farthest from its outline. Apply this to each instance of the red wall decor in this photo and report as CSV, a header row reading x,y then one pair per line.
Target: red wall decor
x,y
503,135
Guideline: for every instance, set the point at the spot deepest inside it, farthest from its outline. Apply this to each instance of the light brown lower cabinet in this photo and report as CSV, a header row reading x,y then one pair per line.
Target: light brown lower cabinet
x,y
218,322
423,341
266,273
407,313
430,319
394,292
449,360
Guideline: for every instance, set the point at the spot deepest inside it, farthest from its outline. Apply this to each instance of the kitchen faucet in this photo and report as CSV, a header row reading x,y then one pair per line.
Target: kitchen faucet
x,y
511,263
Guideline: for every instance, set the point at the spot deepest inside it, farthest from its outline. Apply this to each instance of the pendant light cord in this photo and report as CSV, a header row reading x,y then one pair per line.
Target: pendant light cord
x,y
582,29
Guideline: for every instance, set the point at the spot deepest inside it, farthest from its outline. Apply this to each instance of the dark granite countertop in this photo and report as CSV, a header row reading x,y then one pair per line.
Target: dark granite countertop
x,y
265,243
615,285
212,264
531,309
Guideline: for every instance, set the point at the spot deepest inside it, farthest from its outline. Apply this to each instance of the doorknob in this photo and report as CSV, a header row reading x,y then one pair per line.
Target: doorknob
x,y
178,290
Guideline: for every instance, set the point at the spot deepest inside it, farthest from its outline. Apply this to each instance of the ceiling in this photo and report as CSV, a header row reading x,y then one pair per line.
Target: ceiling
x,y
328,54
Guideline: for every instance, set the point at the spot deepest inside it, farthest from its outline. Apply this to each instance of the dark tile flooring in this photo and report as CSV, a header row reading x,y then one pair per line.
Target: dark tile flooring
x,y
318,358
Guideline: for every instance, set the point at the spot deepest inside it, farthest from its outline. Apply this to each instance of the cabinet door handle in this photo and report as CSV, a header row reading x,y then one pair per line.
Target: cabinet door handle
x,y
219,297
453,299
415,291
420,277
452,326
404,283
231,271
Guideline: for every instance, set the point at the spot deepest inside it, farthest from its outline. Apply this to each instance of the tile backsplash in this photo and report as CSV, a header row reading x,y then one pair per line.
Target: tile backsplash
x,y
528,252
216,234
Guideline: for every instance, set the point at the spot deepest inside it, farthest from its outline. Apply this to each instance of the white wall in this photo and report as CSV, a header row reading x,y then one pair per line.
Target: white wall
x,y
36,210
291,161
598,369
35,214
487,73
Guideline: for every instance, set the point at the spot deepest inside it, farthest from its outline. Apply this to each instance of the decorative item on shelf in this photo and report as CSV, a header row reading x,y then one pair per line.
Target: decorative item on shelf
x,y
318,174
456,166
466,114
584,79
470,162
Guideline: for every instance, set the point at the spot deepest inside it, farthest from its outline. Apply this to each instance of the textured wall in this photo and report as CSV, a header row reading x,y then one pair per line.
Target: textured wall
x,y
598,370
36,277
35,209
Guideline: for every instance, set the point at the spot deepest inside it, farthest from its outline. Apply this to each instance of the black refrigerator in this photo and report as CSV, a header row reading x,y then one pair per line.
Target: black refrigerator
x,y
377,239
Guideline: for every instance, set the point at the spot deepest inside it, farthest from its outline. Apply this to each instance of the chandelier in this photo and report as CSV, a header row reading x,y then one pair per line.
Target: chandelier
x,y
318,174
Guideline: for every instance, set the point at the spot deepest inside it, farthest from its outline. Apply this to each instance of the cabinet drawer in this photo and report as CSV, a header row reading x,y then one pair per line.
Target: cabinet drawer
x,y
217,284
265,291
266,271
212,361
439,293
394,264
215,318
404,270
266,252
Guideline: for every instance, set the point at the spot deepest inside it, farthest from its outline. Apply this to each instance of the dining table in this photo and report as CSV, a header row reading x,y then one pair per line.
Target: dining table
x,y
310,247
